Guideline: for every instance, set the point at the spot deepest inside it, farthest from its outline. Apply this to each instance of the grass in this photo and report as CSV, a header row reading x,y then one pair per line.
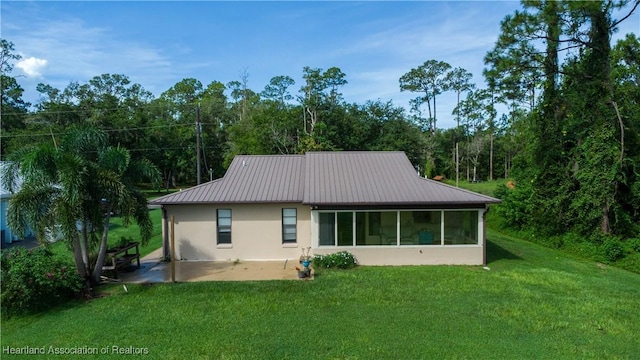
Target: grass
x,y
535,302
118,230
482,187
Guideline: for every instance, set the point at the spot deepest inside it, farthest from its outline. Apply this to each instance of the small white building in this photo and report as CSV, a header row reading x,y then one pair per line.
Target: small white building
x,y
6,235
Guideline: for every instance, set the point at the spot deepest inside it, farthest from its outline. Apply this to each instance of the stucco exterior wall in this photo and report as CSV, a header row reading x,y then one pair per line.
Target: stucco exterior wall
x,y
411,255
256,232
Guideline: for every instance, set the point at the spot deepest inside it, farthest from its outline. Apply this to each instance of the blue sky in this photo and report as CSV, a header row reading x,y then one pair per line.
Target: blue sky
x,y
157,44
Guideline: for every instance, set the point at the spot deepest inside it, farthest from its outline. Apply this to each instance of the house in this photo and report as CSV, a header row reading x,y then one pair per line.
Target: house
x,y
7,236
372,204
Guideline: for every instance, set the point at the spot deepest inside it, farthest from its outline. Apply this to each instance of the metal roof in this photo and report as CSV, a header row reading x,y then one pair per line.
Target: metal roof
x,y
376,178
326,178
249,179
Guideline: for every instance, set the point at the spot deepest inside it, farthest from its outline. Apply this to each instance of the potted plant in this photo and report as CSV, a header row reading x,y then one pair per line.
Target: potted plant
x,y
305,258
303,272
305,261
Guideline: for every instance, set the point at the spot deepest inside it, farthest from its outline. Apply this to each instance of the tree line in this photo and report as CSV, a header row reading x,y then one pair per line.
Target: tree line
x,y
568,137
233,119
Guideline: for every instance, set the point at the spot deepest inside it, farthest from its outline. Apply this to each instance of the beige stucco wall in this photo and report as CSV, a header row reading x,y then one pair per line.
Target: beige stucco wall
x,y
256,232
411,255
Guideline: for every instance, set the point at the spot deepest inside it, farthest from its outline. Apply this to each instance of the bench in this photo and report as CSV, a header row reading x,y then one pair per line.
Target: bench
x,y
121,257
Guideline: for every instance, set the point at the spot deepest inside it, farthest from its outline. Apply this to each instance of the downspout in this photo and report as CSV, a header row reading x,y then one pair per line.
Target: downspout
x,y
165,234
484,235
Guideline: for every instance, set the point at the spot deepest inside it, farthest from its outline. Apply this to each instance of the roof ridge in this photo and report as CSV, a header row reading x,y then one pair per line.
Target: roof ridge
x,y
270,155
356,152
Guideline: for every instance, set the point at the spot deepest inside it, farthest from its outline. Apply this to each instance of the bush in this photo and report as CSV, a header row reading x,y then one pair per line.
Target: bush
x,y
515,210
34,280
612,249
339,260
633,246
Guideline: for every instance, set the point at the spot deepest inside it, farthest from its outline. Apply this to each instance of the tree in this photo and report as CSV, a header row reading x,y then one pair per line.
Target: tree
x,y
277,89
13,109
574,156
598,154
176,108
431,79
315,97
625,74
244,98
476,146
76,185
475,109
459,80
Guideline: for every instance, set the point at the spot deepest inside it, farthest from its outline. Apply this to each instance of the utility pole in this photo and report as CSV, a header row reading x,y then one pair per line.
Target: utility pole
x,y
457,163
198,130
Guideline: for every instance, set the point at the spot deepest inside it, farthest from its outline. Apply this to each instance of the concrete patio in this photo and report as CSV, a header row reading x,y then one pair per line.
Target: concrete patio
x,y
153,270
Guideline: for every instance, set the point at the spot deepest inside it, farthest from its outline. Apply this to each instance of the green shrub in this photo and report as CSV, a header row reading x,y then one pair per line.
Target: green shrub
x,y
632,245
339,260
515,210
34,280
612,249
630,262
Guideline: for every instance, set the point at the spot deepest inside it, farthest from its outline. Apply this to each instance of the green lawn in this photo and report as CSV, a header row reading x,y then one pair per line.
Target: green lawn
x,y
118,230
533,303
482,187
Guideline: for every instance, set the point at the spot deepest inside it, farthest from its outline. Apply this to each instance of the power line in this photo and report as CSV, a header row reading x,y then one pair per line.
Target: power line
x,y
107,130
81,110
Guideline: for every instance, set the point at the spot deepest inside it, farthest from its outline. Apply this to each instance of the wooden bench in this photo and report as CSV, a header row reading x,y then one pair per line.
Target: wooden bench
x,y
121,257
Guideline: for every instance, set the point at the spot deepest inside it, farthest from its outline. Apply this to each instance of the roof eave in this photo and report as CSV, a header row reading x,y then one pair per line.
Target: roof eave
x,y
412,205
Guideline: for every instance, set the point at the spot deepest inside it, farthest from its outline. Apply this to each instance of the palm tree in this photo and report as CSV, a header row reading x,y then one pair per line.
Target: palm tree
x,y
76,185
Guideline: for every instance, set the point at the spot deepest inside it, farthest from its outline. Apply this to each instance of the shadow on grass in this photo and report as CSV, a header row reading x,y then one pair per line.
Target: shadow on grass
x,y
495,252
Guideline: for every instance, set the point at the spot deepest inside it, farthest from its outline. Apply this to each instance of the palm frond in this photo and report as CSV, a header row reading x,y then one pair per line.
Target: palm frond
x,y
114,159
83,140
143,170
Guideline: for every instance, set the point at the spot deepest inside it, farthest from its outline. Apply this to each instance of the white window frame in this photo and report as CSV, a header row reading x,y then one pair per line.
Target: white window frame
x,y
316,224
295,225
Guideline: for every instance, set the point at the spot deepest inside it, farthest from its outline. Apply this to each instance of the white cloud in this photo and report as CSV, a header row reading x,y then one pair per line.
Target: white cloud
x,y
32,66
77,51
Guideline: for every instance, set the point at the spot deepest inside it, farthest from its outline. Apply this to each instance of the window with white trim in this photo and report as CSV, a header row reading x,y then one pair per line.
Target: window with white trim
x,y
398,227
289,226
224,226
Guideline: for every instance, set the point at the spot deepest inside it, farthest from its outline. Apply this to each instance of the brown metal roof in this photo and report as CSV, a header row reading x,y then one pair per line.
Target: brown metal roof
x,y
249,179
324,179
376,178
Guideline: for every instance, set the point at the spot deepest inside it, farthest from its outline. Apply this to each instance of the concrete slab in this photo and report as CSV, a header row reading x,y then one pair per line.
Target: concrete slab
x,y
153,270
28,243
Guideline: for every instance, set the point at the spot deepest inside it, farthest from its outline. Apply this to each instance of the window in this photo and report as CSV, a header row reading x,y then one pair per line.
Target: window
x,y
368,225
224,226
460,227
389,228
420,227
327,229
399,227
345,229
289,221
